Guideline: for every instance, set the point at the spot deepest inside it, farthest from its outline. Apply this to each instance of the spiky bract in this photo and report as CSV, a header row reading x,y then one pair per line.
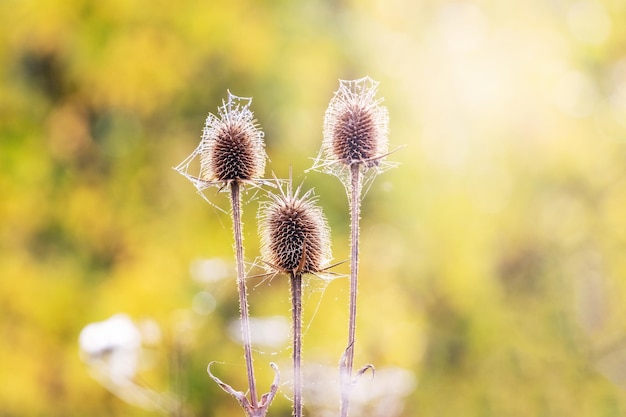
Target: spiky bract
x,y
294,232
232,144
231,149
355,125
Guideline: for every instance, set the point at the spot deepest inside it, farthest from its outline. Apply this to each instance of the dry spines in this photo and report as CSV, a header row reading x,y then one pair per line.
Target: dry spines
x,y
295,236
232,156
355,136
232,147
355,125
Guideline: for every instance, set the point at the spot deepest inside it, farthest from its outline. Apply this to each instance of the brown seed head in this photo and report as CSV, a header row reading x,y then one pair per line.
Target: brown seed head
x,y
295,235
355,124
232,146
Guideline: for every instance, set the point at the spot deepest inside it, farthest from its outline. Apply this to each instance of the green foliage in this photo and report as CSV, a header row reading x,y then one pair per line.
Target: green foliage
x,y
491,259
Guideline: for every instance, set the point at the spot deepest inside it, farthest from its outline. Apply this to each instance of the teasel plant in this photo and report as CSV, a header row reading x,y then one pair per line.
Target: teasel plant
x,y
354,148
295,240
232,156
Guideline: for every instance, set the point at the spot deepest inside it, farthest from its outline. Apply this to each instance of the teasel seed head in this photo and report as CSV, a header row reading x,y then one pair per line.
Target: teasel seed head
x,y
231,149
232,144
294,233
355,125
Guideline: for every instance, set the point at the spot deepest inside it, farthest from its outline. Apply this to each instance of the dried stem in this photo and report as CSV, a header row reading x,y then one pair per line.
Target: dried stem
x,y
296,312
235,193
348,358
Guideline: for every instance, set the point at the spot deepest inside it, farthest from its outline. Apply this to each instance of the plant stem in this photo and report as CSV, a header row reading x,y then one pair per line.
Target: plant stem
x,y
296,313
235,194
355,214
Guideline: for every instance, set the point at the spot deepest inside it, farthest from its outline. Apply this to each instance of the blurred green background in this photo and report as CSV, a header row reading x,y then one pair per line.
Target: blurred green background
x,y
492,258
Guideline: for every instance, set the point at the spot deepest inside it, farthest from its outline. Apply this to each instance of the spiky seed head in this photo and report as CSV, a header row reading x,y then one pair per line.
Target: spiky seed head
x,y
294,233
355,124
232,146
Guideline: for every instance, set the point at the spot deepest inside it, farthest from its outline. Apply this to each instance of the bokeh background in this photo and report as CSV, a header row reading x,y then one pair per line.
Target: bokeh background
x,y
493,258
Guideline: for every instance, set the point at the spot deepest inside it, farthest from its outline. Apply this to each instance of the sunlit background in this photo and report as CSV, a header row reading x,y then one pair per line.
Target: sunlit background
x,y
492,259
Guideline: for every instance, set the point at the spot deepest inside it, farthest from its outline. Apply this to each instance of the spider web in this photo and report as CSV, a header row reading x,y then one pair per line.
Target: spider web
x,y
314,287
233,110
342,171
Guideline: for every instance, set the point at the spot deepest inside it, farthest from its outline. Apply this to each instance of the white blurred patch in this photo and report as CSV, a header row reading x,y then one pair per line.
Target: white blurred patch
x,y
273,331
210,270
113,351
380,395
113,343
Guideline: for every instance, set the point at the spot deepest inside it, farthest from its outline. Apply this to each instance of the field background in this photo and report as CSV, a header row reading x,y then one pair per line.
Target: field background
x,y
493,258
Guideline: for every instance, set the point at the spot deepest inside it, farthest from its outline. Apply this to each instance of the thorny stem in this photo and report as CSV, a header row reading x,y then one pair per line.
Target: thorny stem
x,y
348,359
243,292
296,312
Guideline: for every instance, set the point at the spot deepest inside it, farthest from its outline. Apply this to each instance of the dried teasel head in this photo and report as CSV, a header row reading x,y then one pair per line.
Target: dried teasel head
x,y
294,233
231,149
234,148
355,128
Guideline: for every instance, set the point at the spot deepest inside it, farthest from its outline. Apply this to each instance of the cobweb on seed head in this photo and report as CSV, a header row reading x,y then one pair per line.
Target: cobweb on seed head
x,y
313,291
342,172
355,96
236,110
314,288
